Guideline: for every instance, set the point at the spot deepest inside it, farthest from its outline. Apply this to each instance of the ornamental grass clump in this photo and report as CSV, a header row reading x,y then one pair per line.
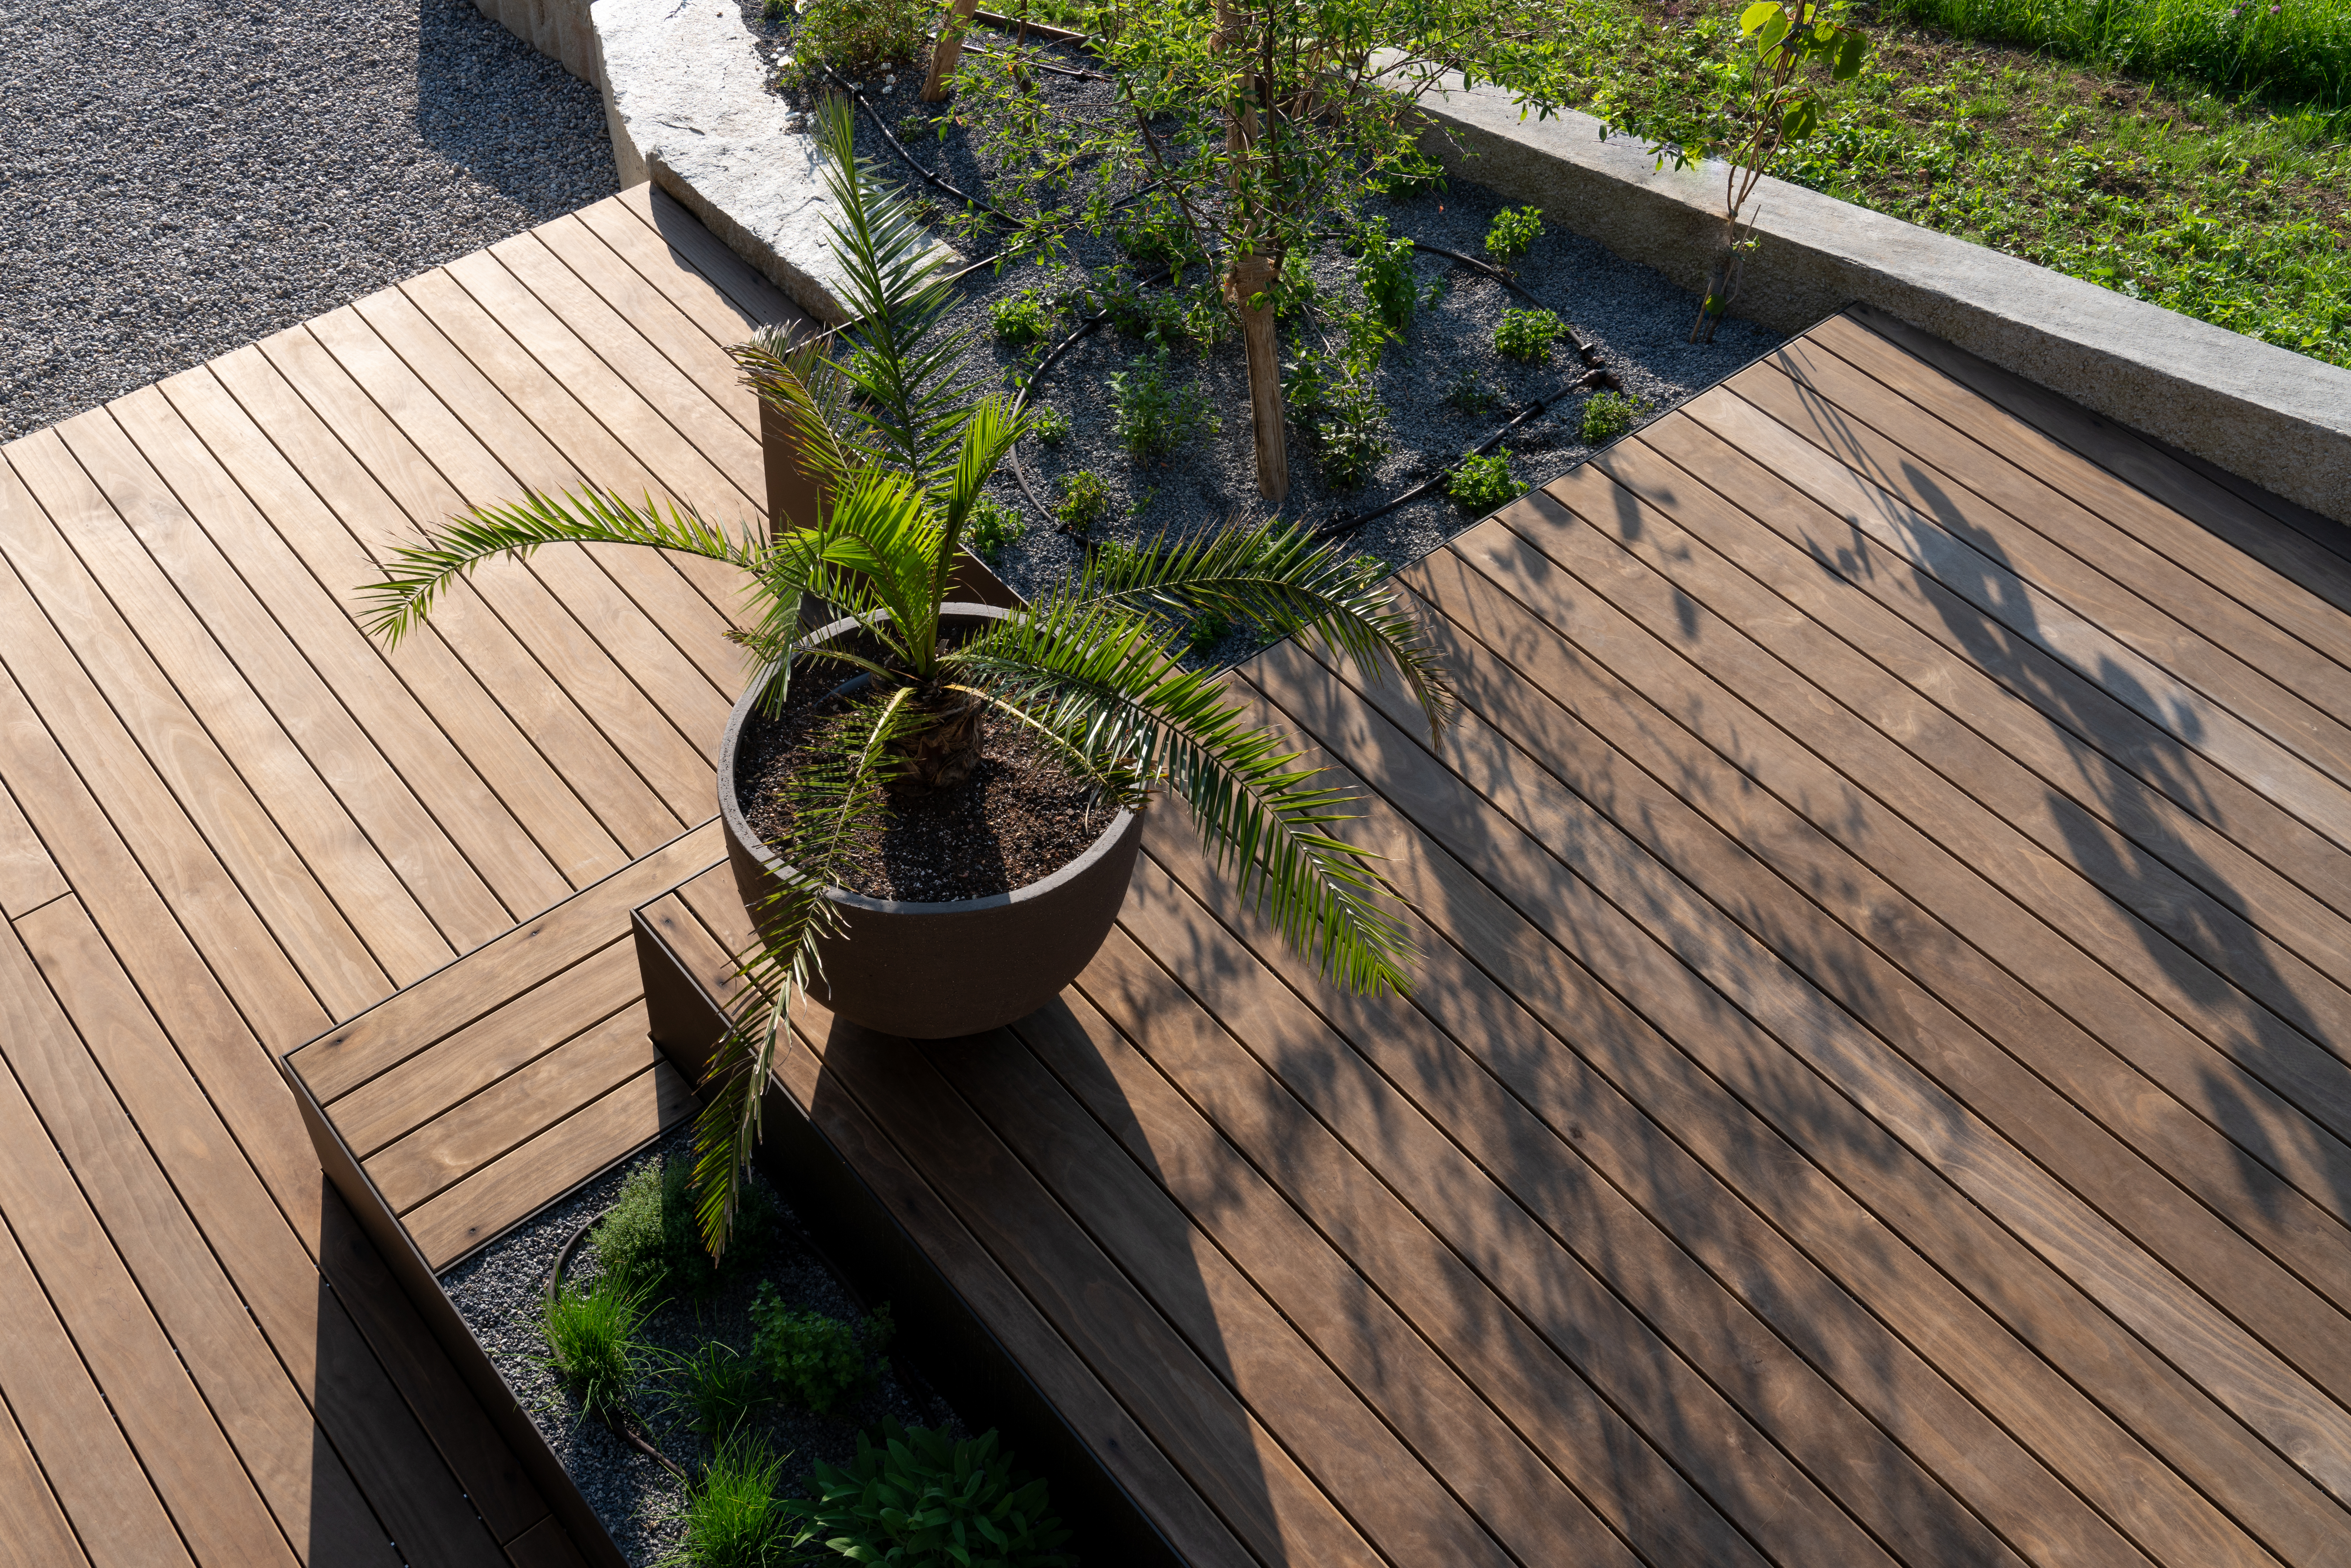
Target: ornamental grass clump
x,y
919,1497
734,1517
902,451
714,1388
591,1337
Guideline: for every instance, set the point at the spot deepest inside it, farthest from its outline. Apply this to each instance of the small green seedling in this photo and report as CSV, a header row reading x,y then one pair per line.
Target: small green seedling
x,y
1482,484
1019,319
1470,393
993,525
1527,335
1607,415
1085,501
1048,424
1514,232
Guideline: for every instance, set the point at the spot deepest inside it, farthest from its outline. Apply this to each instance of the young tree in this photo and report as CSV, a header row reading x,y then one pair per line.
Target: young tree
x,y
1240,131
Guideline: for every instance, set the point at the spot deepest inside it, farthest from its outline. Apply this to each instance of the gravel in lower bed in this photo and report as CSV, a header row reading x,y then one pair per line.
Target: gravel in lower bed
x,y
182,177
499,1291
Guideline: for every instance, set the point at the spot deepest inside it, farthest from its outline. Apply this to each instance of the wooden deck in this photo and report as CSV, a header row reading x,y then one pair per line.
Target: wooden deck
x,y
1875,1091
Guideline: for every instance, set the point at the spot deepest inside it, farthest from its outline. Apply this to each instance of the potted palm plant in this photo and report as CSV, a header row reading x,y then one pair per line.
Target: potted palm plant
x,y
897,690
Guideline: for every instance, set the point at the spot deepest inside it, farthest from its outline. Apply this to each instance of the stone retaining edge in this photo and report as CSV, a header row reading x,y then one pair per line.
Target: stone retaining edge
x,y
2280,419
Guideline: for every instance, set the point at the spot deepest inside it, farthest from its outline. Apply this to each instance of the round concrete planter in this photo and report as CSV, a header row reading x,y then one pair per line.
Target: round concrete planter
x,y
934,971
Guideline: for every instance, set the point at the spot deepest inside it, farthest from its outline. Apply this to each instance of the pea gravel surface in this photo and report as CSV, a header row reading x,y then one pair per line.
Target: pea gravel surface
x,y
182,177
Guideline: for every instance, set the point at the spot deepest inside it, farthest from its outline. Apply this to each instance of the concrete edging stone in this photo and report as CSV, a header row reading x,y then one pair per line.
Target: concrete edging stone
x,y
2280,419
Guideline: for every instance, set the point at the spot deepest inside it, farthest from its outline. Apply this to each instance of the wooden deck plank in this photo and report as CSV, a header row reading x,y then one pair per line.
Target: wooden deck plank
x,y
2033,1302
496,846
125,728
28,875
361,1423
33,1528
534,1174
689,263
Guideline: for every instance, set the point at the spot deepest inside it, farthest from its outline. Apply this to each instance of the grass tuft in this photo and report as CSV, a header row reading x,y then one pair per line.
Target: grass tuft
x,y
733,1518
592,1335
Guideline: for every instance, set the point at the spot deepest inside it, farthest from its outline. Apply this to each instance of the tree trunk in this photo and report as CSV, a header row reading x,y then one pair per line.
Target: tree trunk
x,y
1250,276
945,52
1721,284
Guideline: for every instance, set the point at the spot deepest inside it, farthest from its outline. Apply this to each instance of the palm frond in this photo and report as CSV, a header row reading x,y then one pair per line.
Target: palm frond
x,y
803,385
987,435
1102,678
1278,575
417,574
836,799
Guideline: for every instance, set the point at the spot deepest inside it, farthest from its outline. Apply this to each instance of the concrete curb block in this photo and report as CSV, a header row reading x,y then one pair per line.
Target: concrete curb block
x,y
2268,415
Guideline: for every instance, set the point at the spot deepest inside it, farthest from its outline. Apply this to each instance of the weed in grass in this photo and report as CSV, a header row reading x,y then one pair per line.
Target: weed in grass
x,y
1527,335
592,1335
1482,484
1607,415
920,1497
1019,319
733,1518
992,527
1152,415
1514,232
1048,424
714,1388
814,1361
1085,501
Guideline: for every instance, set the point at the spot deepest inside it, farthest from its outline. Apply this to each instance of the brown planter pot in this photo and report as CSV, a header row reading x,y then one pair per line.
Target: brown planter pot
x,y
934,971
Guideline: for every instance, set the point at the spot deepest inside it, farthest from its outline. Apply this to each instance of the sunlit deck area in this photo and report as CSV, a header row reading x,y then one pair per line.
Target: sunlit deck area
x,y
1876,1090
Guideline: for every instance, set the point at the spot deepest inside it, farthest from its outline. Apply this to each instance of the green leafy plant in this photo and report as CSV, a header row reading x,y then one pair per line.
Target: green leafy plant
x,y
1383,271
919,1497
592,1335
714,1388
1048,424
902,456
1482,484
774,10
1607,415
734,1517
1152,414
1085,501
994,526
814,1361
648,1238
1514,232
1206,630
1528,335
858,35
1468,393
1019,319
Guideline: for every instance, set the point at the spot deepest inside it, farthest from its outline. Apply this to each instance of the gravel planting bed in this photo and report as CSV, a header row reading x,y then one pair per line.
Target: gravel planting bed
x,y
499,1293
185,176
1635,319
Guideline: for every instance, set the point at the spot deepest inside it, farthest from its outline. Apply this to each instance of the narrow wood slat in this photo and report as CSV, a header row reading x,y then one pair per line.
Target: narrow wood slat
x,y
1534,1112
682,239
469,1135
146,443
462,803
660,716
526,956
654,278
49,1390
1311,1402
193,1467
28,876
533,1174
2309,655
425,1085
154,759
305,1485
1237,1466
2295,1081
1566,1297
2113,469
544,1545
33,1528
2036,1304
361,1423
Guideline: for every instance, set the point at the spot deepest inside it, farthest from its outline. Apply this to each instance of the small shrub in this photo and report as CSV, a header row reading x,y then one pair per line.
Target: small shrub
x,y
1514,232
1350,436
650,1239
733,1518
1150,416
1607,415
1527,335
919,1497
1468,393
714,1388
813,1360
856,35
991,527
1384,270
1048,424
1019,319
1085,501
1482,484
592,1335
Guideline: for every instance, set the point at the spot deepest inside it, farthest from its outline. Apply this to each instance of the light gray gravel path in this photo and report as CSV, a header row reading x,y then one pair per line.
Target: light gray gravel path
x,y
180,177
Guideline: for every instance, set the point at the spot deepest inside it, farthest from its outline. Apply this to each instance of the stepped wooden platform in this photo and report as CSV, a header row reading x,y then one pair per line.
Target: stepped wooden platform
x,y
1875,1091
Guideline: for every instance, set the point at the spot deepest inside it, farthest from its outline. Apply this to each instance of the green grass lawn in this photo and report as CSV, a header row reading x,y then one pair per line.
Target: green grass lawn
x,y
2175,191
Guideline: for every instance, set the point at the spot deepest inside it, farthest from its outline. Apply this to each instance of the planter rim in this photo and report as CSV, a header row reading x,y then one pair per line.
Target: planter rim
x,y
730,804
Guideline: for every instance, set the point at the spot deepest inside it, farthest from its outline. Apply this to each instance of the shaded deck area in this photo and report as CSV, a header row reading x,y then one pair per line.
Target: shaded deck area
x,y
1875,1094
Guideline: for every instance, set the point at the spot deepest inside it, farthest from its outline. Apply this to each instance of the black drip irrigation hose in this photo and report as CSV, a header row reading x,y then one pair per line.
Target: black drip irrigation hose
x,y
874,114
